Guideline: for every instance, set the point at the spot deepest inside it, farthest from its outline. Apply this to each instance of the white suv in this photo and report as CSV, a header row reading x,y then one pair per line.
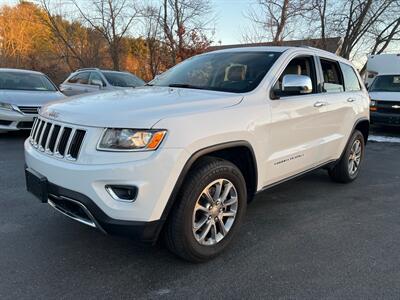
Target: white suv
x,y
184,155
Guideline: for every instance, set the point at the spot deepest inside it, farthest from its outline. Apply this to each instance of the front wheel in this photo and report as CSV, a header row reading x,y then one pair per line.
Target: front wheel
x,y
348,167
209,209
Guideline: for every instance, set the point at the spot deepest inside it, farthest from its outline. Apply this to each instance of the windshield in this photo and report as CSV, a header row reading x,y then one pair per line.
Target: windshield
x,y
236,72
123,79
25,82
386,83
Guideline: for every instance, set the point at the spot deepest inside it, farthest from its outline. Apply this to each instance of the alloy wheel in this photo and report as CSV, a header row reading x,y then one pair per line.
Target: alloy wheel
x,y
215,212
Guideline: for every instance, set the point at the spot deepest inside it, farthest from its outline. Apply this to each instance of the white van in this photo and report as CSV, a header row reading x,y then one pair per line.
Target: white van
x,y
381,64
385,99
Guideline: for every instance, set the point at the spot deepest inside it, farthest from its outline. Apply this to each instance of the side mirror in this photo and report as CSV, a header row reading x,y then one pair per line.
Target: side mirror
x,y
296,84
97,82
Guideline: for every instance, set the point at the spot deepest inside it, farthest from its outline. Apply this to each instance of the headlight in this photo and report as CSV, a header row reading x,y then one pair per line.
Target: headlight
x,y
5,106
115,139
372,103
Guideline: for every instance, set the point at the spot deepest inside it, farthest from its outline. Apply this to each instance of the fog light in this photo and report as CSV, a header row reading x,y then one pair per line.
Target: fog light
x,y
124,193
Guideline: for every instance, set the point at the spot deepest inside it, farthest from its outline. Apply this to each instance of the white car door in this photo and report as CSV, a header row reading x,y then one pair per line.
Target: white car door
x,y
341,93
297,130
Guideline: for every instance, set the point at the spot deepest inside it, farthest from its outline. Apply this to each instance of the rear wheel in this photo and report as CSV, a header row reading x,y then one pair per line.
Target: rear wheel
x,y
210,207
348,167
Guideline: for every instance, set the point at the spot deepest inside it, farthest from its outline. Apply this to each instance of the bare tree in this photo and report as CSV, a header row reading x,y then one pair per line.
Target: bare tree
x,y
112,19
357,18
153,35
274,17
182,22
58,26
321,9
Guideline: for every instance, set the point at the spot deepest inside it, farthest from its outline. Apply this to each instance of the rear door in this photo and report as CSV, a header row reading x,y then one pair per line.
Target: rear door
x,y
93,79
339,93
77,84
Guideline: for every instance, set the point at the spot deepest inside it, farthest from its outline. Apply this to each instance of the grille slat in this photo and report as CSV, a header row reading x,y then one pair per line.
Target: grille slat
x,y
39,132
76,143
35,121
30,110
71,136
42,130
53,138
60,141
35,129
46,132
64,140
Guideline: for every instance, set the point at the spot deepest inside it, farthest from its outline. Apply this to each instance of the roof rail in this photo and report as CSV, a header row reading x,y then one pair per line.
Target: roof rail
x,y
87,69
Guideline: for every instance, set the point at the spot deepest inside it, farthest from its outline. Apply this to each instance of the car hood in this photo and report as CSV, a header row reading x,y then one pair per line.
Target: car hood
x,y
385,96
29,98
135,108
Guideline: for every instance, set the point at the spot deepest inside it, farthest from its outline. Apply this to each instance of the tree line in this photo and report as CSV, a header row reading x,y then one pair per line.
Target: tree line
x,y
148,37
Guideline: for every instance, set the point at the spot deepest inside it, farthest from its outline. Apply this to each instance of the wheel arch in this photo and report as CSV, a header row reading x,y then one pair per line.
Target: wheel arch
x,y
363,126
222,151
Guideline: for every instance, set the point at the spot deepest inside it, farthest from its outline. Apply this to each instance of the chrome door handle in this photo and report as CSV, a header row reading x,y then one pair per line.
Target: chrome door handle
x,y
351,100
319,104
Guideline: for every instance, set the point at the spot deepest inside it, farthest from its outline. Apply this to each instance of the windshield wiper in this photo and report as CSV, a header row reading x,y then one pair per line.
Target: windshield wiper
x,y
185,86
149,84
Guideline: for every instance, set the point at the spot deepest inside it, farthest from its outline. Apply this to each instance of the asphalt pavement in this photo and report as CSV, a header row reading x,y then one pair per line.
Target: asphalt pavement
x,y
305,239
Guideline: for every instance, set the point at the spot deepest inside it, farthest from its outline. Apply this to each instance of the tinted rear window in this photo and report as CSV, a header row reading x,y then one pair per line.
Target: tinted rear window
x,y
351,82
123,79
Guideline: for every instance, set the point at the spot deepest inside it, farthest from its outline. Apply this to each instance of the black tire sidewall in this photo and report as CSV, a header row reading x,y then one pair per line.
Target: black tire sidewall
x,y
357,135
224,171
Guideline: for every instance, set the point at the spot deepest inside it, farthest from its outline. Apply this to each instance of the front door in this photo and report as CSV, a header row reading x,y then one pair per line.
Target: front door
x,y
297,129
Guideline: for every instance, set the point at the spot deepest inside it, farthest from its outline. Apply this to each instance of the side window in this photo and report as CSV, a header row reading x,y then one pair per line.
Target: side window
x,y
82,78
95,76
333,80
298,66
351,82
73,79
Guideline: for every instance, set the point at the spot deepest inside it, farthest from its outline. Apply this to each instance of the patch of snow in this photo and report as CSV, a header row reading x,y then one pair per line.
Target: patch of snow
x,y
384,139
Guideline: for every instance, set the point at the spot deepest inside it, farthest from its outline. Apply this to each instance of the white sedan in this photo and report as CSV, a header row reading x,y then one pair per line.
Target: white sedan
x,y
22,93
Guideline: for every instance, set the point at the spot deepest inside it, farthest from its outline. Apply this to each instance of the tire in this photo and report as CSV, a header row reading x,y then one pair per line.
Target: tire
x,y
184,235
342,171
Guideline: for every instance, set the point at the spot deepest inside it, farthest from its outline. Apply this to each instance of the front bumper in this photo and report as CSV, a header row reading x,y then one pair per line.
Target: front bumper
x,y
385,118
14,120
154,176
84,210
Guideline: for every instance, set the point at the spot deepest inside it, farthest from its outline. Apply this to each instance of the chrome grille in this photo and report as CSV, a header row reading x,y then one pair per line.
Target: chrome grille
x,y
56,139
29,109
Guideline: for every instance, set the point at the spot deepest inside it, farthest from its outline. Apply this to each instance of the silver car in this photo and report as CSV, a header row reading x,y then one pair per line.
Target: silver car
x,y
90,80
22,93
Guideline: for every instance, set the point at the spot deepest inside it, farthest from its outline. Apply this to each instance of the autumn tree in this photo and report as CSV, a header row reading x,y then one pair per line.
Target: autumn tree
x,y
22,36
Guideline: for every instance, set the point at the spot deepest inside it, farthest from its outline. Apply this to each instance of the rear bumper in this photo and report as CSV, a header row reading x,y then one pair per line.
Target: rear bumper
x,y
385,119
13,120
84,210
